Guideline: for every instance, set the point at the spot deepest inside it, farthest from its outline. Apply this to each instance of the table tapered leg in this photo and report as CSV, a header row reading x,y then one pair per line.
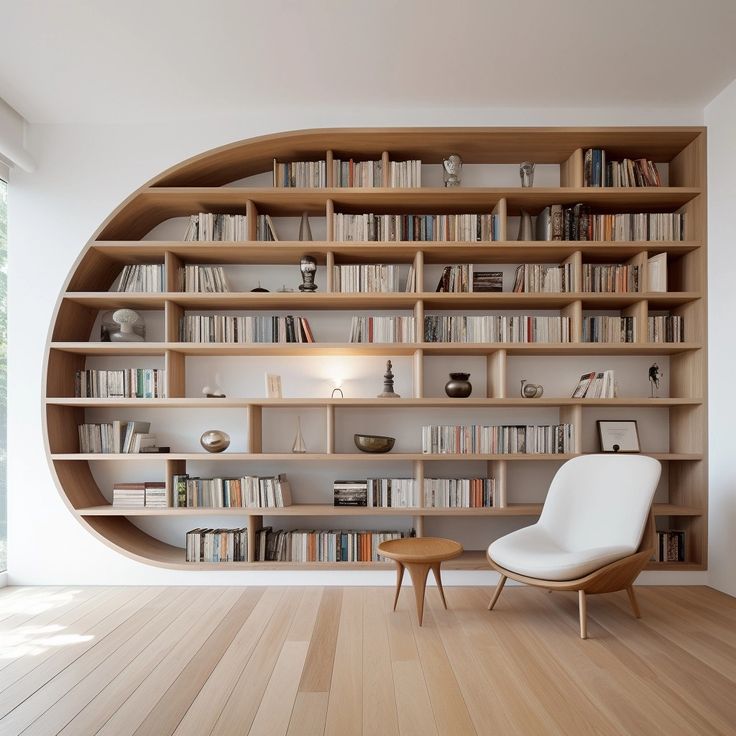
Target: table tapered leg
x,y
399,578
418,572
497,592
438,580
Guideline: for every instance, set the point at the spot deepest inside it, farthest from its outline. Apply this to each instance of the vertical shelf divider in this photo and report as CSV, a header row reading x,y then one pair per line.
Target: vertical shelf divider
x,y
419,272
330,429
330,268
173,467
418,371
496,374
175,366
640,312
574,415
329,174
254,423
251,213
574,311
501,210
329,212
172,272
571,170
255,524
576,260
498,469
385,174
419,321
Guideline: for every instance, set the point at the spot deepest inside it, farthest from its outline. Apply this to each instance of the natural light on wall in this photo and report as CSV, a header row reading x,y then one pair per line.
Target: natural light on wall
x,y
3,369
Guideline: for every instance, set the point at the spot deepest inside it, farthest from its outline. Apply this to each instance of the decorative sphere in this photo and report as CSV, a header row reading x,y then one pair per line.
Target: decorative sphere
x,y
215,440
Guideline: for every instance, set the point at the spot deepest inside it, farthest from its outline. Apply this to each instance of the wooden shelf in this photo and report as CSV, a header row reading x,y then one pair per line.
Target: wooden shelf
x,y
388,349
205,183
316,509
289,252
231,403
406,301
340,456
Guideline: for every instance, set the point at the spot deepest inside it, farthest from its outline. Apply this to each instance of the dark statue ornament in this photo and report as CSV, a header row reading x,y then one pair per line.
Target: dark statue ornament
x,y
458,387
655,375
388,384
308,267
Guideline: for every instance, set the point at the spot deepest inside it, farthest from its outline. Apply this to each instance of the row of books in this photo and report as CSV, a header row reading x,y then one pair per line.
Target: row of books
x,y
367,174
459,493
249,491
146,277
596,385
670,546
611,278
405,173
139,495
203,279
665,328
393,228
577,222
217,545
302,174
265,229
376,493
495,328
609,329
400,329
369,278
116,437
129,383
462,278
598,172
220,328
209,226
302,545
544,278
439,439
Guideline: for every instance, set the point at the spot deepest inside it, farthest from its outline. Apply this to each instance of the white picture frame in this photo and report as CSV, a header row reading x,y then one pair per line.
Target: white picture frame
x,y
273,386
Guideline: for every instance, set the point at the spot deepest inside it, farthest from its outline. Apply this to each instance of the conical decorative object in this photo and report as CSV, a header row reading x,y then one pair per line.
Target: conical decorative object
x,y
299,446
305,231
525,226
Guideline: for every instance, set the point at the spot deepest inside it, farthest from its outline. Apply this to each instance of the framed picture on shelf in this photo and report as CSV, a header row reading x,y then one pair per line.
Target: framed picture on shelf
x,y
273,386
618,436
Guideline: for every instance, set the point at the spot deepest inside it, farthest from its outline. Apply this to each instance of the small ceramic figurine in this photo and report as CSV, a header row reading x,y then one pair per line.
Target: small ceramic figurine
x,y
526,172
655,374
453,170
531,390
126,318
526,231
388,384
308,267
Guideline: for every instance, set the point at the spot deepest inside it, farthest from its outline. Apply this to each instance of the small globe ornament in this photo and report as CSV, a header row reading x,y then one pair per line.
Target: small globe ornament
x,y
215,440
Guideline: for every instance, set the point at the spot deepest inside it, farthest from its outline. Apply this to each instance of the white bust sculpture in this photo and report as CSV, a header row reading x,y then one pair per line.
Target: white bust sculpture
x,y
126,318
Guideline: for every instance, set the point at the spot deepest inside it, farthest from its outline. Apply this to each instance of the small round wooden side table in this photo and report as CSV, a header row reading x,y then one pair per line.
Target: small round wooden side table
x,y
420,554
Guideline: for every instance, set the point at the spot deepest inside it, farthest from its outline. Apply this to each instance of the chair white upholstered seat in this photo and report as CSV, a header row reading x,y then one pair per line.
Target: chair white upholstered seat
x,y
533,552
595,532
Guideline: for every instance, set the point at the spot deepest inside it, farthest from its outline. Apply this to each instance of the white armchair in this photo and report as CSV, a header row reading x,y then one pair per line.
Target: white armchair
x,y
595,534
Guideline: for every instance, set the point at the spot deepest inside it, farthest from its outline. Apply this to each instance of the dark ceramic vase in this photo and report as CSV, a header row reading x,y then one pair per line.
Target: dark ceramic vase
x,y
458,387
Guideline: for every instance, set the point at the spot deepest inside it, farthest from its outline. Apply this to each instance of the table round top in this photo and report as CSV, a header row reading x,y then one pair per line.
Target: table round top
x,y
420,549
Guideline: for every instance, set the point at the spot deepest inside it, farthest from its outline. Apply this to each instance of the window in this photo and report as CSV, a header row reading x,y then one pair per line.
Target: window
x,y
3,369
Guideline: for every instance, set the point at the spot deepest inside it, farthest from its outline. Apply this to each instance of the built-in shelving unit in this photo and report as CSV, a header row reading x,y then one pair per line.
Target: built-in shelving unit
x,y
217,181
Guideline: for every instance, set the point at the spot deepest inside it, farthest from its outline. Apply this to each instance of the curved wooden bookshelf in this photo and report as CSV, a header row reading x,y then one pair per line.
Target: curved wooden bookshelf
x,y
213,181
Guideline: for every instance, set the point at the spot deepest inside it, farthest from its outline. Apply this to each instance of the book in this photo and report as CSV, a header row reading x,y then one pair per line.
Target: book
x,y
456,279
665,328
350,173
394,228
596,385
144,277
466,493
248,491
611,278
609,329
382,329
129,495
130,383
657,272
220,328
552,439
487,281
496,328
203,279
600,172
132,429
366,278
209,226
544,278
300,174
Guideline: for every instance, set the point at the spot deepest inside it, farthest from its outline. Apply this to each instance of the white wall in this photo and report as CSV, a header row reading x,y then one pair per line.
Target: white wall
x,y
83,173
720,117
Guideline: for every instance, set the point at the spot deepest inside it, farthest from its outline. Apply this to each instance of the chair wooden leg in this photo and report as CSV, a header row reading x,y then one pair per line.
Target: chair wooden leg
x,y
438,580
399,578
583,604
497,592
633,601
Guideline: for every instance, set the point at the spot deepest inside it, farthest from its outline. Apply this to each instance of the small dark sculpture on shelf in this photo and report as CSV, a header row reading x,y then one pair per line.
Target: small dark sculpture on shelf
x,y
459,387
453,170
259,289
655,374
388,384
526,172
308,267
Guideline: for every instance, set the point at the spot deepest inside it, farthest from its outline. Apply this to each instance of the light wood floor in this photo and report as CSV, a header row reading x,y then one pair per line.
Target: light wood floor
x,y
301,661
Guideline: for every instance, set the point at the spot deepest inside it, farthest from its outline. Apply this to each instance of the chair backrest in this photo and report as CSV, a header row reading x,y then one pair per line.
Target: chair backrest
x,y
601,501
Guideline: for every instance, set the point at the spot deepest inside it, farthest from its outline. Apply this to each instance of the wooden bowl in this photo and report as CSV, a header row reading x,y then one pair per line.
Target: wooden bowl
x,y
373,442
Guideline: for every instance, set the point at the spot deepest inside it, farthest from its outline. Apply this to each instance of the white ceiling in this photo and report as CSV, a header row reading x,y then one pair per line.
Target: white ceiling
x,y
147,60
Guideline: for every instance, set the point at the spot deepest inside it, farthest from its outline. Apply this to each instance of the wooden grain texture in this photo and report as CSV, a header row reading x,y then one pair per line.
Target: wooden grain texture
x,y
207,660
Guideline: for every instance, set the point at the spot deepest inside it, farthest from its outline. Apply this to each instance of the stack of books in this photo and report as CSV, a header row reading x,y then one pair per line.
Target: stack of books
x,y
611,278
665,328
203,279
609,329
439,439
117,437
597,172
461,493
139,495
147,277
495,328
249,491
219,328
301,174
544,278
129,383
382,329
462,278
596,385
208,226
350,492
393,228
367,174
